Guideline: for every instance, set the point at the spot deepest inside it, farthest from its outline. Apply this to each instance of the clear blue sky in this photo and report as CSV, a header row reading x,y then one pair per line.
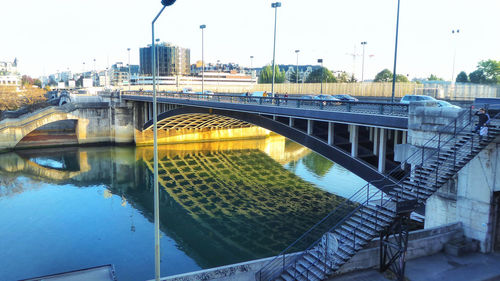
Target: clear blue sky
x,y
52,35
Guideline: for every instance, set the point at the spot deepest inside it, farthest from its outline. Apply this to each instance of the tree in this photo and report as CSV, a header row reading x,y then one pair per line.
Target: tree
x,y
38,83
477,77
462,77
26,80
321,75
383,76
491,71
293,77
401,78
434,78
266,75
343,77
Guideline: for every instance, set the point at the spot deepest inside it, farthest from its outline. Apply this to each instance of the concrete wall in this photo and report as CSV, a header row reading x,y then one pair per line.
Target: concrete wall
x,y
421,243
467,197
471,202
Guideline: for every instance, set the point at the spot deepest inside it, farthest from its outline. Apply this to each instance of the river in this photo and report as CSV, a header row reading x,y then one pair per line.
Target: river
x,y
63,209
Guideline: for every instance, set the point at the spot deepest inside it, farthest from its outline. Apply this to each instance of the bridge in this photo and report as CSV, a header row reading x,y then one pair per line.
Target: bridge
x,y
360,136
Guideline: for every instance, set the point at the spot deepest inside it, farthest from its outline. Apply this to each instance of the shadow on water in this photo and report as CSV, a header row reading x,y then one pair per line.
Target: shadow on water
x,y
221,203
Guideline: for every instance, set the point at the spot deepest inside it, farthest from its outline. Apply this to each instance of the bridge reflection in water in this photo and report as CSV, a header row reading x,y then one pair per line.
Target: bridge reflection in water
x,y
221,202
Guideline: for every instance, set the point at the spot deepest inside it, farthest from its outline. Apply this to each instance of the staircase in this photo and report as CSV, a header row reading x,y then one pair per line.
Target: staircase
x,y
359,219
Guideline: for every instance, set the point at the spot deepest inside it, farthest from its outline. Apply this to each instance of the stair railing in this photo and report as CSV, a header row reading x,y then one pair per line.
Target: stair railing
x,y
338,216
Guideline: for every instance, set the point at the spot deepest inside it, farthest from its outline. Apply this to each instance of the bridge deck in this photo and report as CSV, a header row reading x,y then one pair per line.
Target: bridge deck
x,y
389,115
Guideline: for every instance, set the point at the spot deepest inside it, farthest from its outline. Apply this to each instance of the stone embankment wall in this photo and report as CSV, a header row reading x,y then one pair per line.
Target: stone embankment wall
x,y
421,243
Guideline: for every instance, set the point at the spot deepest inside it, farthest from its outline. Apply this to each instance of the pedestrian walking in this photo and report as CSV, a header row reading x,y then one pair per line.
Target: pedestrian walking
x,y
482,125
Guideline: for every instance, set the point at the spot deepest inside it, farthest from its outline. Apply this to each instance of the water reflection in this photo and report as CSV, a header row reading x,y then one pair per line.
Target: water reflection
x,y
220,202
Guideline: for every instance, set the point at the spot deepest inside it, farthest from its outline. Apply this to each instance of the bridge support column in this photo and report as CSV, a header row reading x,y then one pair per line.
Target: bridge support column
x,y
275,117
396,139
310,124
291,123
331,133
382,150
150,111
375,141
403,140
354,140
145,110
371,133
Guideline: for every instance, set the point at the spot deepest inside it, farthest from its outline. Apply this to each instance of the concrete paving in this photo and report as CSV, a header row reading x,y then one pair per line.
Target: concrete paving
x,y
439,267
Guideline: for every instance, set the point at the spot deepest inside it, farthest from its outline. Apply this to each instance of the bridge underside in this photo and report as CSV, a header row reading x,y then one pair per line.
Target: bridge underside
x,y
345,147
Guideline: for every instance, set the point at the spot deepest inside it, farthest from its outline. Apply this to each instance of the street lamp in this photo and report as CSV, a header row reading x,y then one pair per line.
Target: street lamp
x,y
454,32
158,60
94,76
202,27
395,56
322,73
297,72
129,77
363,63
275,5
165,3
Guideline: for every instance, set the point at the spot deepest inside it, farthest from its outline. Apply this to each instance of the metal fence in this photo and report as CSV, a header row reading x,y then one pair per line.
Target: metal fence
x,y
376,108
457,91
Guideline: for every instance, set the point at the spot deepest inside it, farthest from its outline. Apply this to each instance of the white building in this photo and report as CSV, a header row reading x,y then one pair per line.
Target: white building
x,y
10,80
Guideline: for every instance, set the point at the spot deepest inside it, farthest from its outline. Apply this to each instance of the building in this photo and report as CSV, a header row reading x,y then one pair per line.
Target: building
x,y
8,67
119,73
171,60
10,80
8,74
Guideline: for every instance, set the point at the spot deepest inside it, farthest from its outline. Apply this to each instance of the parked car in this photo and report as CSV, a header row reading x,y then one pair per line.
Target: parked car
x,y
345,97
442,103
409,98
188,91
326,98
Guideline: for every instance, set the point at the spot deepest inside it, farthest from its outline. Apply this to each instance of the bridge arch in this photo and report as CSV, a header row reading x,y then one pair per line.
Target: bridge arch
x,y
12,132
193,118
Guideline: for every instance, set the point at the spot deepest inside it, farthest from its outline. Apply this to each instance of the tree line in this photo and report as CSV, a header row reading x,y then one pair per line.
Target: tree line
x,y
487,72
318,75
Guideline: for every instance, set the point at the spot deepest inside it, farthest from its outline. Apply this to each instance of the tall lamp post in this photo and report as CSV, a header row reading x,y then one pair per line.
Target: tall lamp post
x,y
157,61
129,76
165,3
363,63
251,64
275,5
297,71
202,27
453,33
322,74
395,56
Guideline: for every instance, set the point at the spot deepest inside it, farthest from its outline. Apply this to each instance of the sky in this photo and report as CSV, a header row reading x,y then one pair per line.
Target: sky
x,y
57,35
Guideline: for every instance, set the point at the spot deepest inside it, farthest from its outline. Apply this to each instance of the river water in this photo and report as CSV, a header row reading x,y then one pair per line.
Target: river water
x,y
220,203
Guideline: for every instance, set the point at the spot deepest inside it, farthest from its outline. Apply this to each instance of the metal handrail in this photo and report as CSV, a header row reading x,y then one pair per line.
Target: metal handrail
x,y
369,198
379,108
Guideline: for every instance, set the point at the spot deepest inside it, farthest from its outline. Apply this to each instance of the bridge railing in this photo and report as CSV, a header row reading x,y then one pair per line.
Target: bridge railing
x,y
311,103
369,195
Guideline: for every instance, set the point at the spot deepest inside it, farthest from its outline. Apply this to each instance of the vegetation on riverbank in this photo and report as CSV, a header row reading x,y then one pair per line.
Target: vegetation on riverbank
x,y
11,99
